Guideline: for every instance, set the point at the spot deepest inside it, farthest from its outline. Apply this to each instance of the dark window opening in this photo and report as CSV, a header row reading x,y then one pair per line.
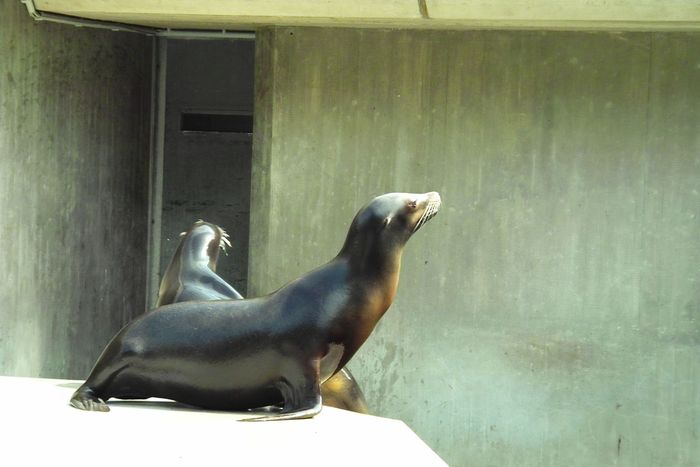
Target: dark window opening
x,y
217,122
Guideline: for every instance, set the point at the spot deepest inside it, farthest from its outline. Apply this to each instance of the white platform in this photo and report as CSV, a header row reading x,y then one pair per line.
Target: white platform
x,y
38,427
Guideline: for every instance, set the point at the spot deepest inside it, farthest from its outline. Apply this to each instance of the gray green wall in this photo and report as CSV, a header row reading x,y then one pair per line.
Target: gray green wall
x,y
550,314
74,149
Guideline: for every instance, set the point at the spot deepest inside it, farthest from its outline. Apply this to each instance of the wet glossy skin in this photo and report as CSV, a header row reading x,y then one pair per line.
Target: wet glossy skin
x,y
239,354
191,276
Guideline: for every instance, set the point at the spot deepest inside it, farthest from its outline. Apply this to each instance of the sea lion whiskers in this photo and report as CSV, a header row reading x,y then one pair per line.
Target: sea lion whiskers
x,y
224,241
428,213
420,221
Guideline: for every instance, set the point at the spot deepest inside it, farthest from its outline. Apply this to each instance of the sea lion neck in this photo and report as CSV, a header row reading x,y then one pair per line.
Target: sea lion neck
x,y
371,257
375,271
202,249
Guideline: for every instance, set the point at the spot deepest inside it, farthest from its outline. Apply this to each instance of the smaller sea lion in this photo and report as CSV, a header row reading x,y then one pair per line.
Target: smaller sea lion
x,y
191,274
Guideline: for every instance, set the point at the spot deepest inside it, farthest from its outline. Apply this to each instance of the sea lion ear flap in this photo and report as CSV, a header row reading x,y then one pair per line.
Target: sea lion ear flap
x,y
387,221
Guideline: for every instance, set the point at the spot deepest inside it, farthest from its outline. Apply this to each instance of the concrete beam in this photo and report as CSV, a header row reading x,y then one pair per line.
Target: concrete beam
x,y
430,14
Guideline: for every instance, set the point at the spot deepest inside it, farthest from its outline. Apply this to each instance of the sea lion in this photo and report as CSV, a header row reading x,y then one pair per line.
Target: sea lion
x,y
242,354
191,275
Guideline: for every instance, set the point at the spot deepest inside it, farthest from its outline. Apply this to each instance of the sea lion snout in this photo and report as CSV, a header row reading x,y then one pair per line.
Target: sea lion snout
x,y
433,198
434,195
431,203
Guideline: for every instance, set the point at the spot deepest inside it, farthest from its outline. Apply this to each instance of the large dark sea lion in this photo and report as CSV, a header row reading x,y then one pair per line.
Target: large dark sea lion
x,y
191,275
242,354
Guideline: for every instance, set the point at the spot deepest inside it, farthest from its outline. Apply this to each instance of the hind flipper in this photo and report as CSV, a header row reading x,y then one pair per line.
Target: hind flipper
x,y
85,399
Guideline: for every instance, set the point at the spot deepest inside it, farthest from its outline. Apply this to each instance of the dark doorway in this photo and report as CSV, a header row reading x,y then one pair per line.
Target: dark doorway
x,y
208,146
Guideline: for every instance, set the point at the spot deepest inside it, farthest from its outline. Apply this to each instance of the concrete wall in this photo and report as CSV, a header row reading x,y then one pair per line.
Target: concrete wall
x,y
550,314
74,122
206,175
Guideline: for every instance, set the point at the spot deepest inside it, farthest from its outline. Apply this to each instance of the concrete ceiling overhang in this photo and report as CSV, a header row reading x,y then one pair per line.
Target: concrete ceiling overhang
x,y
672,15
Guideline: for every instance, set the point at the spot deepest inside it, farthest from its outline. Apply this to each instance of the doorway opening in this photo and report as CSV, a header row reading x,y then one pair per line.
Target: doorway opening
x,y
206,113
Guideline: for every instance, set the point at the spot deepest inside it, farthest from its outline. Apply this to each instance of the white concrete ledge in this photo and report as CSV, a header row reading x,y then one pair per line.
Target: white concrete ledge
x,y
40,428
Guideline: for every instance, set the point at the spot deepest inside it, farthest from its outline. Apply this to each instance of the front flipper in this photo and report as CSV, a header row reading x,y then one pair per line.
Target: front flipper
x,y
296,415
301,393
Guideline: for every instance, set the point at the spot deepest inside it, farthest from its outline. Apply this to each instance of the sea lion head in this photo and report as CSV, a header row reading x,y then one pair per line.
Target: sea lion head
x,y
199,246
203,241
388,221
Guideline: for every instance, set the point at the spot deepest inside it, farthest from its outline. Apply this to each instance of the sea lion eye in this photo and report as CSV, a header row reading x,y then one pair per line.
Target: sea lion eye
x,y
412,204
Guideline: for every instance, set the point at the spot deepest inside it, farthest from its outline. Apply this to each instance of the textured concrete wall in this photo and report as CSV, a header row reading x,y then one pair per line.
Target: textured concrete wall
x,y
550,314
74,122
206,175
